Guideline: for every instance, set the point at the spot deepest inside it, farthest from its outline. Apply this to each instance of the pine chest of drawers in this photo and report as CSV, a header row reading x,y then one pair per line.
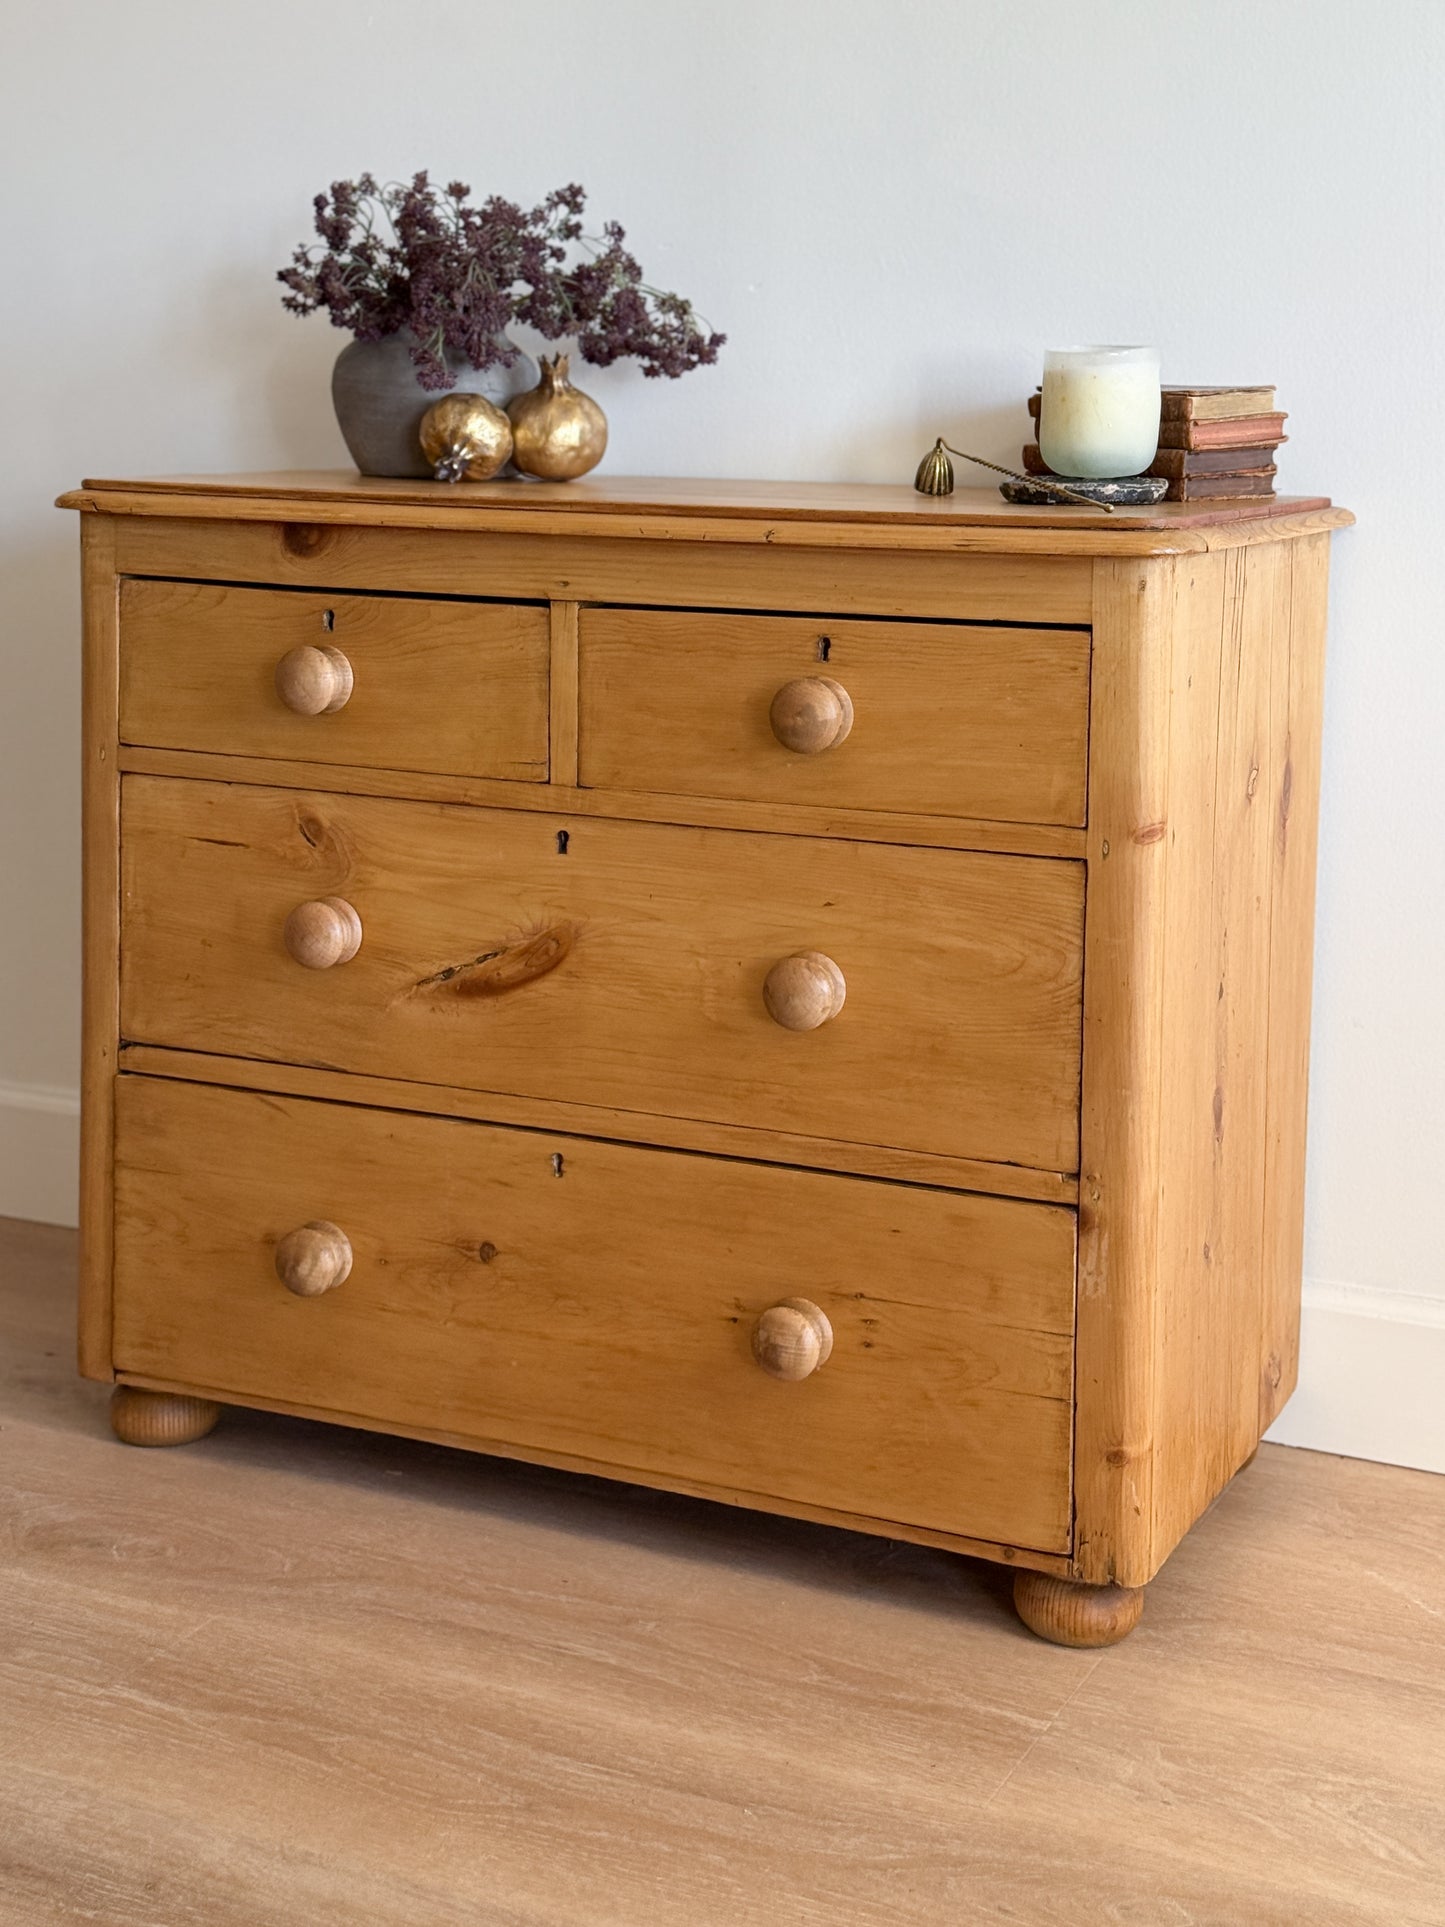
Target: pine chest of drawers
x,y
797,995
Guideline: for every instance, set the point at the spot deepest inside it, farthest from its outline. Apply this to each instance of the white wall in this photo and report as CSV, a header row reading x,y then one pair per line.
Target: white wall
x,y
892,208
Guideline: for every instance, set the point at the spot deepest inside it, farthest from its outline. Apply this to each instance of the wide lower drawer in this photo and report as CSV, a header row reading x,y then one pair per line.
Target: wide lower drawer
x,y
942,718
630,965
396,682
596,1301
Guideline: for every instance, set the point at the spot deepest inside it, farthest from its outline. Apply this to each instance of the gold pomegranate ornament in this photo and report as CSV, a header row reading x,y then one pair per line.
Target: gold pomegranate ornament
x,y
558,433
466,438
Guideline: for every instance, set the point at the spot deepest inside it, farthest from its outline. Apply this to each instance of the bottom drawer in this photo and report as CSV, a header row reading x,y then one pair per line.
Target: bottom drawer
x,y
561,1295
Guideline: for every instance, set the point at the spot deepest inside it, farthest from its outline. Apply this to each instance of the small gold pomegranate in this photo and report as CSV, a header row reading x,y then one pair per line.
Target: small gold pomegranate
x,y
558,433
466,438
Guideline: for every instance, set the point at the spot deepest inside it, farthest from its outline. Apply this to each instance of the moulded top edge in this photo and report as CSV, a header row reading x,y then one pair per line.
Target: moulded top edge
x,y
812,514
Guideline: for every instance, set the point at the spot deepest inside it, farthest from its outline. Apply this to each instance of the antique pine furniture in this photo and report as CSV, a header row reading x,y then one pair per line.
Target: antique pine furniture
x,y
793,994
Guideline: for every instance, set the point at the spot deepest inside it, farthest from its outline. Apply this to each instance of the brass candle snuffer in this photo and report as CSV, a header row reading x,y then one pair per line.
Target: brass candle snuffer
x,y
935,477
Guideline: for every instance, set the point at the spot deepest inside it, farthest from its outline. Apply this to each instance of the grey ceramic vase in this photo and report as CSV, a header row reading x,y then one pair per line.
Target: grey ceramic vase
x,y
379,402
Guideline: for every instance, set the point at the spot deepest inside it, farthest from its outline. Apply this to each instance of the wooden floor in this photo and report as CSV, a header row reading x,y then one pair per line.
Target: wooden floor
x,y
296,1676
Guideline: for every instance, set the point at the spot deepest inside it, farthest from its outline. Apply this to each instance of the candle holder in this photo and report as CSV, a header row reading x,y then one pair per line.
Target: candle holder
x,y
1119,492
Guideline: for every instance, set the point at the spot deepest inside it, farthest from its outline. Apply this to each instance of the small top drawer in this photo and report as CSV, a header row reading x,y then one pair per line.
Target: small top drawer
x,y
397,682
932,718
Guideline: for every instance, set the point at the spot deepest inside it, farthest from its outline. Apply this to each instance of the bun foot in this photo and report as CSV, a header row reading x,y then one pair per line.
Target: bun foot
x,y
1073,1615
160,1418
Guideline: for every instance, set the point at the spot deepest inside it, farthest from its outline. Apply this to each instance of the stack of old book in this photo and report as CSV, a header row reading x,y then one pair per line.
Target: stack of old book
x,y
1214,443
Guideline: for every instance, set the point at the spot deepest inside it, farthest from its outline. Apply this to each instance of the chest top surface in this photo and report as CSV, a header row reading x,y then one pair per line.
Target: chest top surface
x,y
843,515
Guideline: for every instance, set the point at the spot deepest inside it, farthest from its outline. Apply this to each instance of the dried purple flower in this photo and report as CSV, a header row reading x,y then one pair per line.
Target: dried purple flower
x,y
454,276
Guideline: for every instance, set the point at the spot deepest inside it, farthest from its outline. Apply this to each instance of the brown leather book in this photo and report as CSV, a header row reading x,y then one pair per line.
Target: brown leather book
x,y
1175,462
1215,404
1239,431
1202,404
1216,488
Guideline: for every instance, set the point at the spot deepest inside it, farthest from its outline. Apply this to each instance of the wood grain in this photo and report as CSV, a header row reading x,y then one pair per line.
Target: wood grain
x,y
1215,1004
575,566
811,714
960,1033
306,1676
160,1418
314,1258
990,723
1251,531
100,938
671,509
465,1306
792,1339
1292,799
563,680
1019,1558
775,819
803,991
450,687
1193,1217
1120,1174
322,933
1068,1614
314,679
594,1120
1197,943
1238,942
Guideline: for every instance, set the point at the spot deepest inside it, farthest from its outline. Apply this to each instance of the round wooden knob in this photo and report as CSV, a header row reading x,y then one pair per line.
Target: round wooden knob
x,y
812,714
314,680
792,1339
804,991
316,1257
323,932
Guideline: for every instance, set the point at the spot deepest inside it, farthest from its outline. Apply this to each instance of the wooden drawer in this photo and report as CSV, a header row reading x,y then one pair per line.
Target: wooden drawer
x,y
617,964
947,718
456,688
588,1300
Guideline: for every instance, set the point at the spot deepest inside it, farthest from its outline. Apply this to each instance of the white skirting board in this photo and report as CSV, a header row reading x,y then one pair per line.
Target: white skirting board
x,y
1372,1363
39,1153
1372,1377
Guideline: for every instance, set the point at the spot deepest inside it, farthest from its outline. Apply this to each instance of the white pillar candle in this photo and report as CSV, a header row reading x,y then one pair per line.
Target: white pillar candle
x,y
1100,411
